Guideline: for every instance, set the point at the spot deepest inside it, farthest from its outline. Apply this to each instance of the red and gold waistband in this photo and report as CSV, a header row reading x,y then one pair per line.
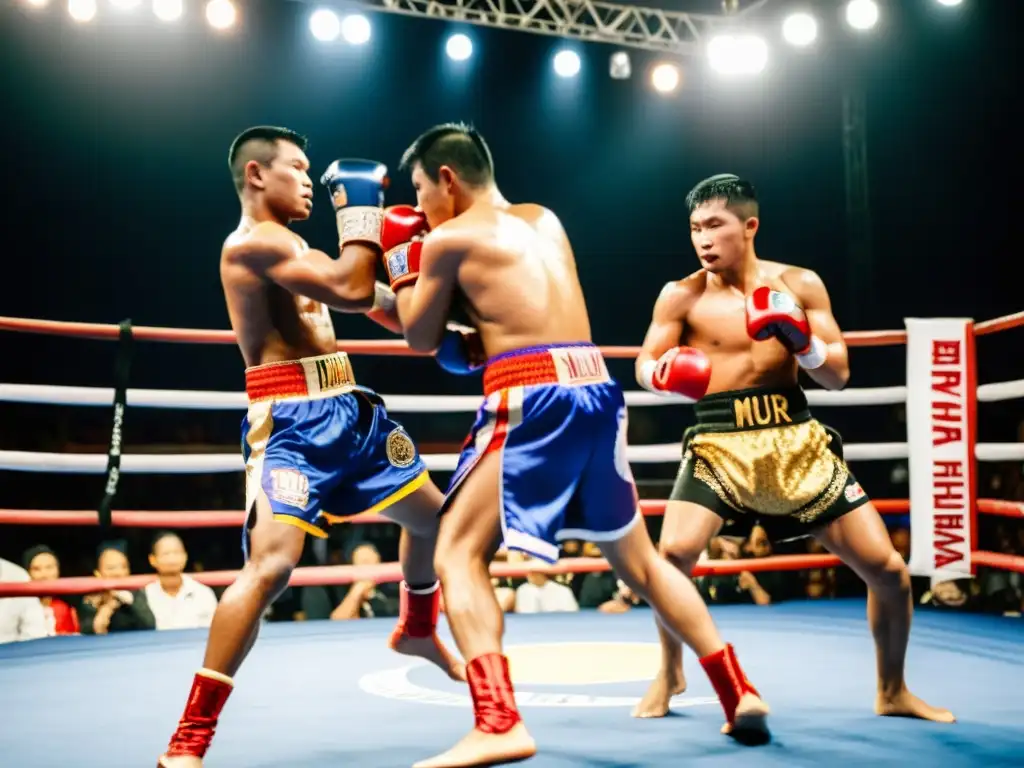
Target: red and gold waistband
x,y
569,365
308,378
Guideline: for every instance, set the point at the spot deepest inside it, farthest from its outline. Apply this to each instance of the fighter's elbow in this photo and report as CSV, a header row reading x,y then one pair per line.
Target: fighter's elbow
x,y
422,340
355,291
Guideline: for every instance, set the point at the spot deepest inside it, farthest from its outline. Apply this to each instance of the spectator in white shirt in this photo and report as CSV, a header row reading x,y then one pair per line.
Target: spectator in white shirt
x,y
541,594
21,618
177,601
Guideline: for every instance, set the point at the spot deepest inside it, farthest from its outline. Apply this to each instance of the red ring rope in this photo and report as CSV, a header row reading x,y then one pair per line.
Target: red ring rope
x,y
391,572
397,347
235,518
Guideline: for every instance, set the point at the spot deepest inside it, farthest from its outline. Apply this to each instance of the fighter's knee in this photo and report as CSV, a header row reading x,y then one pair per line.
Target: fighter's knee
x,y
272,571
683,553
890,574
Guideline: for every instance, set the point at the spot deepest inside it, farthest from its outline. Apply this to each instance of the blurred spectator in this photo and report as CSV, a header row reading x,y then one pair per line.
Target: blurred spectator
x,y
767,586
42,565
819,583
21,618
602,590
116,610
367,599
176,600
540,593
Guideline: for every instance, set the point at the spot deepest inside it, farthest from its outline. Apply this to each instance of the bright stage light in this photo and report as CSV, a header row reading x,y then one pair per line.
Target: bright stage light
x,y
325,25
738,55
82,10
665,78
800,29
125,5
567,63
356,29
168,10
37,3
619,66
221,14
862,14
459,47
949,3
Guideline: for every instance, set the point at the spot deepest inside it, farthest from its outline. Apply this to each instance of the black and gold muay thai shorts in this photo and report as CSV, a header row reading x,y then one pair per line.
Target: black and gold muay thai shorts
x,y
757,456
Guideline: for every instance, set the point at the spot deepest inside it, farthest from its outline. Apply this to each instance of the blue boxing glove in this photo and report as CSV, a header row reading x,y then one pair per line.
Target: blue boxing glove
x,y
357,193
461,351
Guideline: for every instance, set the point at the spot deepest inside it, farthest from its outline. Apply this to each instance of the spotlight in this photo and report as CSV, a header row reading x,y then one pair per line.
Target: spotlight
x,y
82,10
862,14
800,29
221,14
37,3
459,47
356,29
737,55
325,25
949,3
567,63
619,66
665,78
168,10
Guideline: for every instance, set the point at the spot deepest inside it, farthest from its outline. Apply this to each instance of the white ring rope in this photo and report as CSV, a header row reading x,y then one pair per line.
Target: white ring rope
x,y
208,400
96,463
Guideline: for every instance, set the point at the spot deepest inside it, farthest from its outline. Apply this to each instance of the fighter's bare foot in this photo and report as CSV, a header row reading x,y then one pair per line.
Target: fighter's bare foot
x,y
433,650
750,723
906,704
185,761
655,702
479,748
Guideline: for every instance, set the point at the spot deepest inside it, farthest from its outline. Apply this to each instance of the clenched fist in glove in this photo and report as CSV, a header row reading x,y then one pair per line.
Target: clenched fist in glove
x,y
402,240
775,314
683,370
357,193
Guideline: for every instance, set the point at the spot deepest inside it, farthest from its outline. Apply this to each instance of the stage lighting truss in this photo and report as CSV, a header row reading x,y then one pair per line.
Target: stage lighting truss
x,y
628,26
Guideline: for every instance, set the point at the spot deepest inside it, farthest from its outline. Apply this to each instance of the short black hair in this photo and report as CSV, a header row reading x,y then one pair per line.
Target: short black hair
x,y
34,552
739,195
259,143
160,536
457,145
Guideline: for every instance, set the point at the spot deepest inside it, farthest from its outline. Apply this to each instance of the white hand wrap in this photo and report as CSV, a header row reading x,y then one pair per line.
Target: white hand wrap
x,y
815,356
383,298
645,378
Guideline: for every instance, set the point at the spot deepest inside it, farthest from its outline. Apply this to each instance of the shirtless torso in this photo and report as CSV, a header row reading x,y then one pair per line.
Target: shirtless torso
x,y
271,323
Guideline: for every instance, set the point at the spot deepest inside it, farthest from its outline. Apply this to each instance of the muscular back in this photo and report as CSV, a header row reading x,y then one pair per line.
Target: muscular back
x,y
270,323
714,321
518,278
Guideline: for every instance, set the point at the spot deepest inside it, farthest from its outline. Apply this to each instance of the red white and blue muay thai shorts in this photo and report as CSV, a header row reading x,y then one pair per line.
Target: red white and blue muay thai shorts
x,y
321,448
558,422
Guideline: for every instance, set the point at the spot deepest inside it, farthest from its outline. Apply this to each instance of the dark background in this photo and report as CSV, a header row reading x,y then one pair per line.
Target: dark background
x,y
117,194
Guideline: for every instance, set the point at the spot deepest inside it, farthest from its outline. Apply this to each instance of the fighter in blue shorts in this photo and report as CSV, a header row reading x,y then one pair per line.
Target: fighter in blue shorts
x,y
319,449
546,459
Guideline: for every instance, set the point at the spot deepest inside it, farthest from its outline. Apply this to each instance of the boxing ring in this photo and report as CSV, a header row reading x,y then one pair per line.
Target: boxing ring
x,y
331,693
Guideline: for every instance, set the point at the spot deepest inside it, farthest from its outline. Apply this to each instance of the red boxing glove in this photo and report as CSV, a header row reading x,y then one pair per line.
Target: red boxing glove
x,y
683,370
401,238
776,314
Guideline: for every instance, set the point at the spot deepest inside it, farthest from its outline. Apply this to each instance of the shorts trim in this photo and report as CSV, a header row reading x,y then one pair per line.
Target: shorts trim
x,y
413,485
531,545
596,536
298,522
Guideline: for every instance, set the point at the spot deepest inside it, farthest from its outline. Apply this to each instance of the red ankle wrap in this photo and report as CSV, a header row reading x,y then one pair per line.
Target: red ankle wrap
x,y
728,679
494,701
418,611
195,730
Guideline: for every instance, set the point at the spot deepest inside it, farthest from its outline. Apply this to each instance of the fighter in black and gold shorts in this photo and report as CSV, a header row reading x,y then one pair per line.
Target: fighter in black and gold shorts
x,y
757,456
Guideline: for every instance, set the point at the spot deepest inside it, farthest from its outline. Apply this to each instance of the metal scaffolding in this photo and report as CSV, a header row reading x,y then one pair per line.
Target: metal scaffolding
x,y
625,25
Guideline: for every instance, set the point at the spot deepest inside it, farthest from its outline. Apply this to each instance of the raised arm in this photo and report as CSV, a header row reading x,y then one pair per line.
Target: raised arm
x,y
662,365
810,291
273,253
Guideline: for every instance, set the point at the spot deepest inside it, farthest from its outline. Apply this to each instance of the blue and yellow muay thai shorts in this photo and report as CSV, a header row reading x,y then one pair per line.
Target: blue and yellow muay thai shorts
x,y
558,422
321,448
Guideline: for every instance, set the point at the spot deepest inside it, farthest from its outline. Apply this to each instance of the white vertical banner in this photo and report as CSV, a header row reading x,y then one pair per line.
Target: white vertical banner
x,y
941,411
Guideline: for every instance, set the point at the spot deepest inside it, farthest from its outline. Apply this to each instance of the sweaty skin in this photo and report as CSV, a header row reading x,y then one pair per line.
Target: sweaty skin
x,y
278,291
516,276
